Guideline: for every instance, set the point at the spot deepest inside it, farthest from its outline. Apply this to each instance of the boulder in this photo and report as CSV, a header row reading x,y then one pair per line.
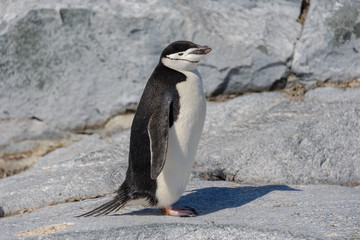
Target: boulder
x,y
329,45
74,65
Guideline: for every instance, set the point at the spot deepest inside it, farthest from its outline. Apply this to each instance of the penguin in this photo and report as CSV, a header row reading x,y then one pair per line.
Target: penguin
x,y
164,135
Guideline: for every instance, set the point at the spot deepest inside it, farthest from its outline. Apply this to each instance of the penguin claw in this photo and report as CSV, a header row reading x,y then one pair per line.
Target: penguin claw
x,y
180,211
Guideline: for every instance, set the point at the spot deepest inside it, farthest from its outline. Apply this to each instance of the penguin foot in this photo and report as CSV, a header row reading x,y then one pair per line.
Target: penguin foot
x,y
180,211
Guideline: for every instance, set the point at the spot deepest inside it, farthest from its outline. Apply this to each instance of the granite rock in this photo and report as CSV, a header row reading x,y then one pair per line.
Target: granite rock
x,y
262,139
281,141
25,140
88,168
227,211
329,46
39,203
67,66
75,64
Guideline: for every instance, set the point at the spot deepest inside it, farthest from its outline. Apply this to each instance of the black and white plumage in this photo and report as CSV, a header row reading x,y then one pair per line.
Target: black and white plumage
x,y
165,134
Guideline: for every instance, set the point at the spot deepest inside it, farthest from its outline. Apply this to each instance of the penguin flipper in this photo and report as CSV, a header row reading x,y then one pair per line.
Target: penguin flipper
x,y
158,131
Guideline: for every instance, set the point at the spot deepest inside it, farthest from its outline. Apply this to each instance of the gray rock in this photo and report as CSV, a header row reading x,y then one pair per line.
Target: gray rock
x,y
89,168
25,140
262,139
21,129
76,64
329,46
280,141
227,211
251,49
67,70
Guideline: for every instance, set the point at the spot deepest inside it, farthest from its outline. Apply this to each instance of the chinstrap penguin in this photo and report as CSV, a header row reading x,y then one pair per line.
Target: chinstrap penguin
x,y
164,134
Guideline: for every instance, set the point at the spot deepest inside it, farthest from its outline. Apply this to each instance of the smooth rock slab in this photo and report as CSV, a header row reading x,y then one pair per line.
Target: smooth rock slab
x,y
227,211
25,140
329,46
266,139
88,168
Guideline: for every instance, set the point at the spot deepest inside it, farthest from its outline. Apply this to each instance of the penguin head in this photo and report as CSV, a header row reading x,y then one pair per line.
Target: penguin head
x,y
183,55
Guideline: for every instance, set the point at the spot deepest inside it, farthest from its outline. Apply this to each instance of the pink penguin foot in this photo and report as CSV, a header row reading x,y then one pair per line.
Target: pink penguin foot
x,y
180,211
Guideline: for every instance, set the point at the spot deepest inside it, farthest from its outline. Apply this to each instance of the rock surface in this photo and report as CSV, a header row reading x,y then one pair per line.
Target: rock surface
x,y
75,65
68,67
268,139
227,211
25,140
329,46
262,139
88,168
85,62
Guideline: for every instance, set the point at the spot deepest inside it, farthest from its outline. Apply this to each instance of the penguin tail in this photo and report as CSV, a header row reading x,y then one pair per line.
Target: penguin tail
x,y
114,205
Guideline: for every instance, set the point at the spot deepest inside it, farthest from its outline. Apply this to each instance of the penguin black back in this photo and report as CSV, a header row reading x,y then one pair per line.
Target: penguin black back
x,y
162,82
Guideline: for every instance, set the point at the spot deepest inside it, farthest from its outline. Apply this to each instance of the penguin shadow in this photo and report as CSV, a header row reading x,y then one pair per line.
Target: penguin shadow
x,y
213,199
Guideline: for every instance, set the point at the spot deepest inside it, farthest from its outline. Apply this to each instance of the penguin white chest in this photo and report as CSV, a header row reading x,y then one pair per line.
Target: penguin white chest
x,y
184,137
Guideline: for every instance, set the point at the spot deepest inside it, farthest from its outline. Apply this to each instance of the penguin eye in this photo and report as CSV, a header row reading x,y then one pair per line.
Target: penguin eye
x,y
180,54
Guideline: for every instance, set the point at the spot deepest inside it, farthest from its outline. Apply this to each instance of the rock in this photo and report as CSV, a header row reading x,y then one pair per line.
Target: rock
x,y
77,80
75,65
266,139
69,67
118,124
88,168
227,211
25,140
262,139
329,46
26,129
252,50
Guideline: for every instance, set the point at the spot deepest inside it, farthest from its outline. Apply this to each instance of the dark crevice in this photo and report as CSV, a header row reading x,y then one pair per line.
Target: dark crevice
x,y
303,11
301,19
274,64
36,118
2,213
213,175
322,161
85,132
218,174
234,176
279,84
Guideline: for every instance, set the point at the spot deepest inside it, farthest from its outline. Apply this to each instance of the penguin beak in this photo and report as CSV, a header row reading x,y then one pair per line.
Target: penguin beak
x,y
202,50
